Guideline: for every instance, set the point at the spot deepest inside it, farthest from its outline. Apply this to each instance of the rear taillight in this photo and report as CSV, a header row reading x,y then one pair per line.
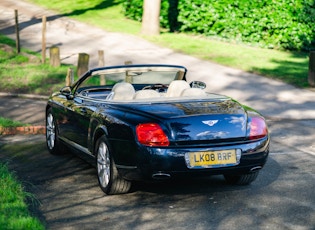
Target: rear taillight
x,y
258,128
151,134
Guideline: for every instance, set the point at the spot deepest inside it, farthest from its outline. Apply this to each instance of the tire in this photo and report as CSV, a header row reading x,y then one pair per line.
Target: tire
x,y
242,179
109,180
52,142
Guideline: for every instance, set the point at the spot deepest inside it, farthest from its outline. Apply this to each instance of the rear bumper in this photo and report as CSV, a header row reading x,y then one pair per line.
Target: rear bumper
x,y
166,163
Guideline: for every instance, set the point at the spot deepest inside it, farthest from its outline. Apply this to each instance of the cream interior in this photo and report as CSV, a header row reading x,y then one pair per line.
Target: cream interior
x,y
177,89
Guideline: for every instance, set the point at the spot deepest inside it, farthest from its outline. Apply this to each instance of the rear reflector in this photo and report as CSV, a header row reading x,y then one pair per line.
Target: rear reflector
x,y
151,134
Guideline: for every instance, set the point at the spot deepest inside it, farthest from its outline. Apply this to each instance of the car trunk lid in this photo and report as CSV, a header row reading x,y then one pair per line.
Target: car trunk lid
x,y
214,120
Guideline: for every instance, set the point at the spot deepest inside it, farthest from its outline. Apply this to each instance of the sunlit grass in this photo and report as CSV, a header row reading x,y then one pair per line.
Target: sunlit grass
x,y
291,67
5,122
14,213
24,73
32,78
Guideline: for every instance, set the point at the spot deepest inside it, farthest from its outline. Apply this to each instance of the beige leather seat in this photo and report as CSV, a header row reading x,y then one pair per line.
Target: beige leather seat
x,y
122,91
176,87
193,92
146,94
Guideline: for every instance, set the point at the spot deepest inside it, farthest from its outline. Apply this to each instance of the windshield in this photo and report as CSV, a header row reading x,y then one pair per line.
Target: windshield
x,y
136,75
152,77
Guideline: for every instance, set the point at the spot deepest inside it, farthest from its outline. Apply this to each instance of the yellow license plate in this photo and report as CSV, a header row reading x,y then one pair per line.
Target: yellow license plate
x,y
212,159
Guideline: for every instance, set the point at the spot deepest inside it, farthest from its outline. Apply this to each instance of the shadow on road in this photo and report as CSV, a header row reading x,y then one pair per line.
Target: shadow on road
x,y
66,184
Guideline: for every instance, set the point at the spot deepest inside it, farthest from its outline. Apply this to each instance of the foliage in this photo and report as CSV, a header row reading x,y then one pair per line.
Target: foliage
x,y
286,24
133,9
23,72
14,213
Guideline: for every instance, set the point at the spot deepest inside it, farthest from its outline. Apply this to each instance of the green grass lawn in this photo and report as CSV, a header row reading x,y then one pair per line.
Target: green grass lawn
x,y
24,73
14,213
290,67
5,122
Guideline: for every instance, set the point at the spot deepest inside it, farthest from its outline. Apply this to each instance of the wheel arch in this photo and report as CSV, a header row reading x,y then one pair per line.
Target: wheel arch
x,y
47,108
98,132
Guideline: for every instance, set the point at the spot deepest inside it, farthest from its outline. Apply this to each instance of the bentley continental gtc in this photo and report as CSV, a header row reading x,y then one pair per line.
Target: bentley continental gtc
x,y
146,123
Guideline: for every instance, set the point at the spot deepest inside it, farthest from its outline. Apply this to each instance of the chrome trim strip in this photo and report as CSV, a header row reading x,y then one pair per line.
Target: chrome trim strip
x,y
75,145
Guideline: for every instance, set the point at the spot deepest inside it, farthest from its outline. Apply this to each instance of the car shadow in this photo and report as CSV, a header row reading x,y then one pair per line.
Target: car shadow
x,y
216,183
32,162
61,183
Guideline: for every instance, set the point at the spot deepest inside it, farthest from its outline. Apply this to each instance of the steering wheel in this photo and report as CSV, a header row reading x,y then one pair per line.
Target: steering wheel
x,y
157,87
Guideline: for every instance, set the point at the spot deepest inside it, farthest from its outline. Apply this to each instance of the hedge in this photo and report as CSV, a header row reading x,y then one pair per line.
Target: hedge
x,y
279,24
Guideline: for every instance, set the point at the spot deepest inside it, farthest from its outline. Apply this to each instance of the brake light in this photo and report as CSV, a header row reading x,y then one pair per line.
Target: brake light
x,y
258,128
151,134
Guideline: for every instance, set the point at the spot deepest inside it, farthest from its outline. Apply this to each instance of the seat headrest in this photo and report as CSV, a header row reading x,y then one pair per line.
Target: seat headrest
x,y
193,92
147,93
123,91
176,87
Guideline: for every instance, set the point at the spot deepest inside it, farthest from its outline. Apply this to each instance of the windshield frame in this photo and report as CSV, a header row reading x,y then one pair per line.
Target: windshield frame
x,y
131,71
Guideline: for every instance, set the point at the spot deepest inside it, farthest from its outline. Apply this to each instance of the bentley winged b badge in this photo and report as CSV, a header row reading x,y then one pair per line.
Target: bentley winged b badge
x,y
210,122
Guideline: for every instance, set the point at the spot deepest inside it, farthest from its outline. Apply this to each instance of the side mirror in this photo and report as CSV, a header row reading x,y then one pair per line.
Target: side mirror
x,y
66,91
198,84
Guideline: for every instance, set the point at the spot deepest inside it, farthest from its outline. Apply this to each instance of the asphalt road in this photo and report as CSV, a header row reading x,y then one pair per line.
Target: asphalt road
x,y
27,110
66,189
68,196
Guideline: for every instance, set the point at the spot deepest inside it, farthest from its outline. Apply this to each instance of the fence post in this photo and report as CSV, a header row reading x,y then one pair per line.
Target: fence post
x,y
101,63
101,58
311,69
54,56
69,77
83,63
17,31
128,77
44,39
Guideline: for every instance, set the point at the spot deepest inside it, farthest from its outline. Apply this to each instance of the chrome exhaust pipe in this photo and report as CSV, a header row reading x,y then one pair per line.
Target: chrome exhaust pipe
x,y
161,176
254,169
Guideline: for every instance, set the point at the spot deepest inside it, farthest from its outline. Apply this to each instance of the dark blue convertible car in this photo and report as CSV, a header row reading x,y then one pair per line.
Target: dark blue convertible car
x,y
146,122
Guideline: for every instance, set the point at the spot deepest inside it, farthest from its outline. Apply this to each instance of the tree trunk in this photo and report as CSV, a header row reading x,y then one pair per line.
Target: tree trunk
x,y
151,17
172,15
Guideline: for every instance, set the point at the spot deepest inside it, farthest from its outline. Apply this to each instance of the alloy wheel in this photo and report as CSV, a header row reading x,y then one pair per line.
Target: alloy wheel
x,y
103,164
50,131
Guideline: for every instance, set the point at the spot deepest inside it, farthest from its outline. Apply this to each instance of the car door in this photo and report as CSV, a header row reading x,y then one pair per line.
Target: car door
x,y
79,115
78,111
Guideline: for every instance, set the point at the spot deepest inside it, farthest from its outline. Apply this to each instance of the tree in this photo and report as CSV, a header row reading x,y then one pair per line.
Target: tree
x,y
172,15
151,17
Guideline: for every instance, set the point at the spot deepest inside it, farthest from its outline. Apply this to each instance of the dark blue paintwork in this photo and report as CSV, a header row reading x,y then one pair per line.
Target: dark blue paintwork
x,y
218,123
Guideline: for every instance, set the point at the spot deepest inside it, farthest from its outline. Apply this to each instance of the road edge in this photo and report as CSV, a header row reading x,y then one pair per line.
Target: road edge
x,y
23,130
